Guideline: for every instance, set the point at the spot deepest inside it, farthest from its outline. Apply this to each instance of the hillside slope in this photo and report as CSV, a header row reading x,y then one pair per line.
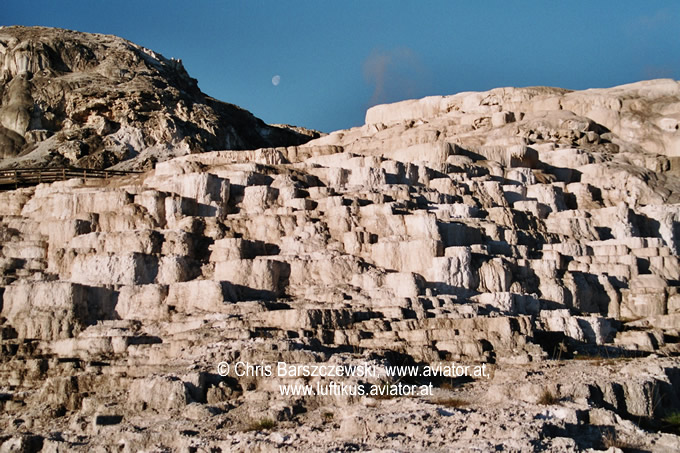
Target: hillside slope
x,y
532,234
90,100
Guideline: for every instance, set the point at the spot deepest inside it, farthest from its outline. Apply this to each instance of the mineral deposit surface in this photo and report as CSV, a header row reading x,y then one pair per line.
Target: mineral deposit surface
x,y
482,271
70,98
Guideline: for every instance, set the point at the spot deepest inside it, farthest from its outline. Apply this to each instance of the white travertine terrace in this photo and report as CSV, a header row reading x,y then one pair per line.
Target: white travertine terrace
x,y
518,228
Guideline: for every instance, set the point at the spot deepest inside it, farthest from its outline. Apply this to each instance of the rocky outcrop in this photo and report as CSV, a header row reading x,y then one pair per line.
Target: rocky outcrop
x,y
96,101
525,233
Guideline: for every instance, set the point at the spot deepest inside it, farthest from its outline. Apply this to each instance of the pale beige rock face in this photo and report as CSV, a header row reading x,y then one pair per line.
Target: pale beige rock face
x,y
47,311
143,302
159,393
516,229
197,295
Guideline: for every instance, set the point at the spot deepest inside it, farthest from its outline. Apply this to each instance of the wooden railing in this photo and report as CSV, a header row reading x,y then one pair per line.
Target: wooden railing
x,y
21,177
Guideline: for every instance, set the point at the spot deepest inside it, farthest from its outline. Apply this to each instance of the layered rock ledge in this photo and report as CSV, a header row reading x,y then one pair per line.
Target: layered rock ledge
x,y
522,229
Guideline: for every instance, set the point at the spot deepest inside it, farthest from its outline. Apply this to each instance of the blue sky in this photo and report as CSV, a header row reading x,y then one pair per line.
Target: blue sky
x,y
335,59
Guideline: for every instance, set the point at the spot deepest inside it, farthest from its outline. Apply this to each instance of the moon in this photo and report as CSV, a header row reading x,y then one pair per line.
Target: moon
x,y
276,80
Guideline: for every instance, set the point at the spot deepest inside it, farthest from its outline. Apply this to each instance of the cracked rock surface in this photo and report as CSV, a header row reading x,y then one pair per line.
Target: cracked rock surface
x,y
534,231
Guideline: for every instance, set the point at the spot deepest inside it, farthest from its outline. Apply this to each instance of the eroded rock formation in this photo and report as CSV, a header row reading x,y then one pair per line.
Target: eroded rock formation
x,y
519,228
94,101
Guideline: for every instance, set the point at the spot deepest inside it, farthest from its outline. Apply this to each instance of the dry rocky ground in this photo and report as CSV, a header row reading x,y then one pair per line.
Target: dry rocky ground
x,y
534,231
